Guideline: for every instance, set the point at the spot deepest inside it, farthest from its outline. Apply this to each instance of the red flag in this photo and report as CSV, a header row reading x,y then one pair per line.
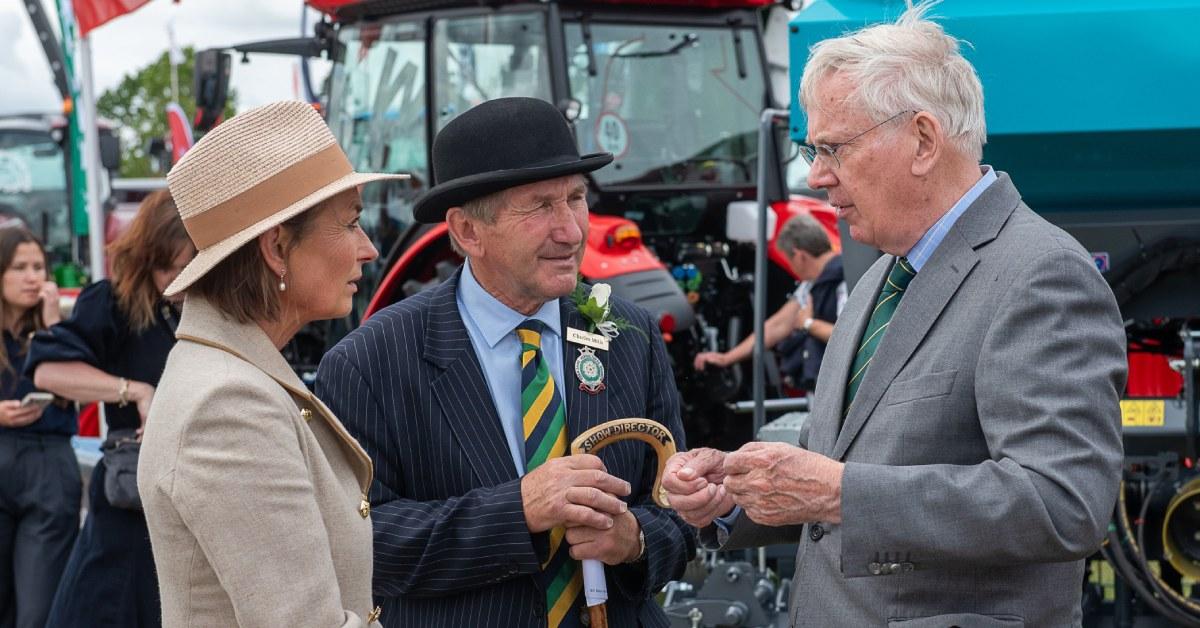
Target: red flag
x,y
180,131
329,7
93,13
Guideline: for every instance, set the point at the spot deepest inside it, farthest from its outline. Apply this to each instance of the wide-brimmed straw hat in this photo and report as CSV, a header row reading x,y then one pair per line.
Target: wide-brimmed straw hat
x,y
252,172
497,145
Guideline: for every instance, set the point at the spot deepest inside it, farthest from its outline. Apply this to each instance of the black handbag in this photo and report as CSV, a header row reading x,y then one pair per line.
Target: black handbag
x,y
120,461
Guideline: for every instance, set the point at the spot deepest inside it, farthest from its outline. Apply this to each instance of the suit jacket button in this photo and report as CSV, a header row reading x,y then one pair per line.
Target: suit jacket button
x,y
894,568
815,532
876,569
906,567
585,618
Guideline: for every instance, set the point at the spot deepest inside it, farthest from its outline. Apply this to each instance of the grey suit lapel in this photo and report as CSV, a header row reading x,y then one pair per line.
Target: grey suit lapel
x,y
926,298
921,305
461,390
583,408
836,365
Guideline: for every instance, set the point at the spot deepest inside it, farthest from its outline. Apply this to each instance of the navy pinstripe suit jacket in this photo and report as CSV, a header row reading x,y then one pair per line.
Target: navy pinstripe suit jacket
x,y
451,545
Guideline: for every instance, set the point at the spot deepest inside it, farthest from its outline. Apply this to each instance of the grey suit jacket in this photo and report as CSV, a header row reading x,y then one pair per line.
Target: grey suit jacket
x,y
983,450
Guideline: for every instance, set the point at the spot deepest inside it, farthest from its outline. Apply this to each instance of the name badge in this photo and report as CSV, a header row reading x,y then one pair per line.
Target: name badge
x,y
580,337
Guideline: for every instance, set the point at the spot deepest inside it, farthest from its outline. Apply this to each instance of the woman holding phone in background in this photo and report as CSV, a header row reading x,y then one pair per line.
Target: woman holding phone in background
x,y
112,349
39,478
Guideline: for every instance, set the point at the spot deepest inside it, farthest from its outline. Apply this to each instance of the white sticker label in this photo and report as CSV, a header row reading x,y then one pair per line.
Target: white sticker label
x,y
595,586
595,341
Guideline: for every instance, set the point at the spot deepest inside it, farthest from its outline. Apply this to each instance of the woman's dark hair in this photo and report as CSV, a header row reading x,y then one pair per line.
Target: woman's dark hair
x,y
31,320
152,242
242,286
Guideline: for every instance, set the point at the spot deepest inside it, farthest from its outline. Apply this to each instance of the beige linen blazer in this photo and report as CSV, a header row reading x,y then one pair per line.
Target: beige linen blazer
x,y
254,492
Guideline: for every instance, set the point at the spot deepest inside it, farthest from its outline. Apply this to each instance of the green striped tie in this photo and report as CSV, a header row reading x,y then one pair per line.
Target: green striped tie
x,y
889,297
545,424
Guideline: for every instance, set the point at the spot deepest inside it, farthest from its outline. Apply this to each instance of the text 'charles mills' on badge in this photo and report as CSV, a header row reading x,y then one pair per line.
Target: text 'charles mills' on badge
x,y
580,337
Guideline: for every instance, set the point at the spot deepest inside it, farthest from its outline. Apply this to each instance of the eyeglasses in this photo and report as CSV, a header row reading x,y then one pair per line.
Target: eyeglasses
x,y
829,152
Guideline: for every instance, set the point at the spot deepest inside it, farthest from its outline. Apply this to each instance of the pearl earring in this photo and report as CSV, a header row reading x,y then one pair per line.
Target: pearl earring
x,y
282,284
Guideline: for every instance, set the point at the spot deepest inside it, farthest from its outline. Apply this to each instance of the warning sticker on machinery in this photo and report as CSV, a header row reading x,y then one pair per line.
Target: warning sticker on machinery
x,y
1142,413
612,135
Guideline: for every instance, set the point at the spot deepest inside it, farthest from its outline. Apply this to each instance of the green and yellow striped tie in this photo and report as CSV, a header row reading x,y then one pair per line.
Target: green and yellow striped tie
x,y
889,297
544,419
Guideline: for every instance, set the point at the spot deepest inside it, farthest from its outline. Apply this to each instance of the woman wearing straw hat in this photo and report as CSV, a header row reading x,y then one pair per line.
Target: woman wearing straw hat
x,y
254,493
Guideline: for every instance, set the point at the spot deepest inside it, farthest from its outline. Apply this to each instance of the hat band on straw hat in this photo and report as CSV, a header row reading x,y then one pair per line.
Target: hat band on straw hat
x,y
259,202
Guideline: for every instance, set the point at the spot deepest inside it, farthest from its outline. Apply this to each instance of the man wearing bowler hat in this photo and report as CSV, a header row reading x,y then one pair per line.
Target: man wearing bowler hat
x,y
466,396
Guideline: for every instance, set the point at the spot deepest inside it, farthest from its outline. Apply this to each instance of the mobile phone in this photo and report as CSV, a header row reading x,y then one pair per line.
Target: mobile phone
x,y
36,398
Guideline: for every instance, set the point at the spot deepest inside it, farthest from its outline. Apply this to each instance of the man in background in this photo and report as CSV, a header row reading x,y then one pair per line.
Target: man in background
x,y
802,326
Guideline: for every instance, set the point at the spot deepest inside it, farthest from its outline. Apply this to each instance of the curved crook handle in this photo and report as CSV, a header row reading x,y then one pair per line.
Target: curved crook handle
x,y
645,430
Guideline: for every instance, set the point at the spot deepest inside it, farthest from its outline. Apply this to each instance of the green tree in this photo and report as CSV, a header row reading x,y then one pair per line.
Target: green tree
x,y
139,105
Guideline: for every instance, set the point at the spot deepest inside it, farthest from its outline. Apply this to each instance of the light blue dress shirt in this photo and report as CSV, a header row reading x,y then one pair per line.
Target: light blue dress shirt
x,y
492,326
924,248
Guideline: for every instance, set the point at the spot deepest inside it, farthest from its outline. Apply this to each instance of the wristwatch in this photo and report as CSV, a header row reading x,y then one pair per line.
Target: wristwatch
x,y
123,393
807,323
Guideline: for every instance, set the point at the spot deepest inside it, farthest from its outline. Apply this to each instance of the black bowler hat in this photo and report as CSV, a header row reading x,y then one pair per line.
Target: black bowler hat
x,y
500,144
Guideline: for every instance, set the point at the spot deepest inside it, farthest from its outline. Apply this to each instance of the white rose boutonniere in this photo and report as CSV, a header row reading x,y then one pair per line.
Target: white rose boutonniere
x,y
600,293
596,308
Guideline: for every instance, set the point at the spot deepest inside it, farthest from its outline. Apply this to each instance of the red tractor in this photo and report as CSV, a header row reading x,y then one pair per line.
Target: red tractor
x,y
673,88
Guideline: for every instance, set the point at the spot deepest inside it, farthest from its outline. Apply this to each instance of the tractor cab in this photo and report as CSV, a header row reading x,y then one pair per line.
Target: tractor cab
x,y
673,89
673,93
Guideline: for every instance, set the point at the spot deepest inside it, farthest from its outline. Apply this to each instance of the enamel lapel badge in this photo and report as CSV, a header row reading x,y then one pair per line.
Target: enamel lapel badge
x,y
590,371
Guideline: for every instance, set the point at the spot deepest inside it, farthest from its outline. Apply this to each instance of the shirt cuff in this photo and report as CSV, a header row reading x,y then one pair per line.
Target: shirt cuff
x,y
725,524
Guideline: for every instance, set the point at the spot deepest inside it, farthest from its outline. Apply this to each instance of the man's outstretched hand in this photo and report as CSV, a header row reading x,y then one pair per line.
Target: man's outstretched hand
x,y
695,484
778,484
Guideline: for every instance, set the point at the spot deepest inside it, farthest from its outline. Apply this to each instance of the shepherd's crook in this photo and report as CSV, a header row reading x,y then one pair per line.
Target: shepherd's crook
x,y
595,587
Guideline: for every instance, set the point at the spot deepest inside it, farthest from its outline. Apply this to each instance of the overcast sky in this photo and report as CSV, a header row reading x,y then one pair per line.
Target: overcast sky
x,y
132,41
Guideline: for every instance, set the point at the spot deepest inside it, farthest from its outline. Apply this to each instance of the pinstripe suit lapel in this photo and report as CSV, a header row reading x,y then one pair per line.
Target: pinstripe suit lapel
x,y
461,390
583,408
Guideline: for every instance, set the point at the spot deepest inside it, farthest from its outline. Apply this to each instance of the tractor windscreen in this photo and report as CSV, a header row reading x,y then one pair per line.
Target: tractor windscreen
x,y
484,57
377,111
377,98
676,104
33,186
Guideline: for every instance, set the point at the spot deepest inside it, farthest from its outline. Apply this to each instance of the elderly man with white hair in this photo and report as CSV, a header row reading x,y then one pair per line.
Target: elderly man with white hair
x,y
965,448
